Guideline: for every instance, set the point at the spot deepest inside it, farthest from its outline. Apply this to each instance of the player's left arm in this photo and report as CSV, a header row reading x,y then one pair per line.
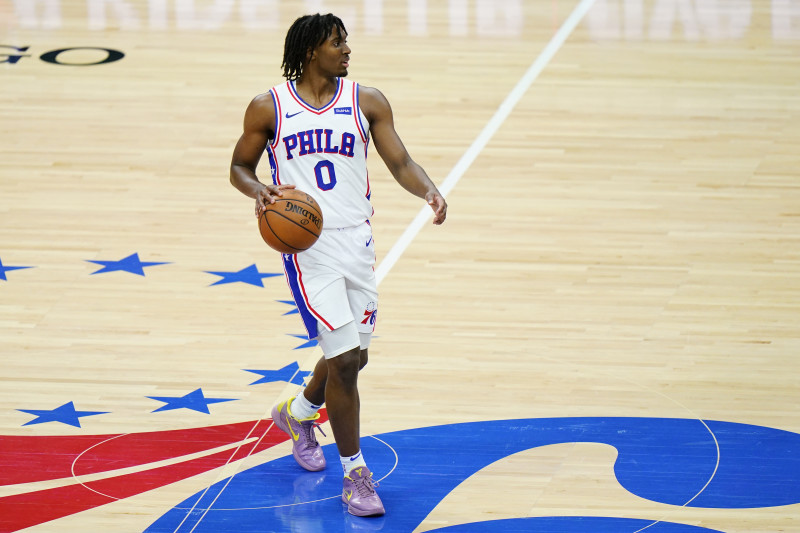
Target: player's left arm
x,y
405,170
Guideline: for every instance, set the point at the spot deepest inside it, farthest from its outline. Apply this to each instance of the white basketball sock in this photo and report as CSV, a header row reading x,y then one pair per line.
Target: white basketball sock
x,y
349,463
300,408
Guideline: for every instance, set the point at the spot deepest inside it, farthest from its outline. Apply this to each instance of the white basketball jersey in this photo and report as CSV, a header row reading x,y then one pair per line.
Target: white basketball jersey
x,y
324,152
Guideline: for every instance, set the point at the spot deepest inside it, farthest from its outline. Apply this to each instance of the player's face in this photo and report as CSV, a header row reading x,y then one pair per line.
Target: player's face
x,y
333,55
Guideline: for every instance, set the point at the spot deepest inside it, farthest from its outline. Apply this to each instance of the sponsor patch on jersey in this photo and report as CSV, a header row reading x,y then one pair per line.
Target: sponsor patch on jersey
x,y
343,110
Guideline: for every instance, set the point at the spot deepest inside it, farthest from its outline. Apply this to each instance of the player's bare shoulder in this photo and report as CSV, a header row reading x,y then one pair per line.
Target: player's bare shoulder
x,y
262,103
260,114
373,103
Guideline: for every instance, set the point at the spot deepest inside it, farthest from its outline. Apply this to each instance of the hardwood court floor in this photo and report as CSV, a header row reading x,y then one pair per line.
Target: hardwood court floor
x,y
625,247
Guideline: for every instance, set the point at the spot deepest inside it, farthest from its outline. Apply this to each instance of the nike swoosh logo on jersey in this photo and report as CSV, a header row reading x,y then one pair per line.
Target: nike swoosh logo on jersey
x,y
369,241
293,114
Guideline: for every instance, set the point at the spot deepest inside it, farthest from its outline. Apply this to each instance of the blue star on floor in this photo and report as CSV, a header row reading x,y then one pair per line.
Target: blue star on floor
x,y
308,344
131,264
195,401
249,275
293,311
66,414
290,373
4,269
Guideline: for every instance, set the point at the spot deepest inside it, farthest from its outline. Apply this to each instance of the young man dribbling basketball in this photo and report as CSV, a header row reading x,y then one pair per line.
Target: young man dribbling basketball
x,y
316,128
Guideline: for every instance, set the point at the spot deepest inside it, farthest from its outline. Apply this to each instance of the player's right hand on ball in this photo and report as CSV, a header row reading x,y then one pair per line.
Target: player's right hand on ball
x,y
267,196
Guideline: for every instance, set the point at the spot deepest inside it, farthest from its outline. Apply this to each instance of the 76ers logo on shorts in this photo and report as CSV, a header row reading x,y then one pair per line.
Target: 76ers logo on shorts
x,y
370,314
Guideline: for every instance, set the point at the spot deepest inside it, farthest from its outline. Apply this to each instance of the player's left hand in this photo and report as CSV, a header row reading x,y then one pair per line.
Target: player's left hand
x,y
439,206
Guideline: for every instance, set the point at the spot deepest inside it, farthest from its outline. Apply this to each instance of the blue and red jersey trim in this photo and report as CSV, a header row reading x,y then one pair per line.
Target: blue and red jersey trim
x,y
309,107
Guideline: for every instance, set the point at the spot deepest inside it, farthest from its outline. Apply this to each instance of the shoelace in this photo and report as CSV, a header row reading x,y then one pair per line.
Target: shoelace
x,y
308,429
365,485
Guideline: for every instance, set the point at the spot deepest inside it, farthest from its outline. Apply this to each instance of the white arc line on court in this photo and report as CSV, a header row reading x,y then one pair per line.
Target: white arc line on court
x,y
485,135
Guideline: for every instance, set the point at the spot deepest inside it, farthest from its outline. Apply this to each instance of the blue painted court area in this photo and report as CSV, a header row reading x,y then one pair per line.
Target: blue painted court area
x,y
573,524
672,461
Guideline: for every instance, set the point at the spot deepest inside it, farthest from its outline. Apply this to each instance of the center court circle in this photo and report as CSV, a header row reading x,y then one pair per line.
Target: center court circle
x,y
664,460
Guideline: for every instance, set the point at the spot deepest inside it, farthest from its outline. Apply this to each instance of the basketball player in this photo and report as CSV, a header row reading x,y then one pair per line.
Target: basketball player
x,y
316,128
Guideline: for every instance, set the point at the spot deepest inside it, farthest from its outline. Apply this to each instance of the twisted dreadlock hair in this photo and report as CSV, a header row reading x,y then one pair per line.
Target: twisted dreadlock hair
x,y
305,34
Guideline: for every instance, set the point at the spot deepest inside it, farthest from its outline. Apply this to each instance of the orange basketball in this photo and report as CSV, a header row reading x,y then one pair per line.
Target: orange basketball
x,y
292,224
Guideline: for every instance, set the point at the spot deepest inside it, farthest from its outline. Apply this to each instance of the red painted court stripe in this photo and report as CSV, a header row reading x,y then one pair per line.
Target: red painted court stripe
x,y
29,509
39,458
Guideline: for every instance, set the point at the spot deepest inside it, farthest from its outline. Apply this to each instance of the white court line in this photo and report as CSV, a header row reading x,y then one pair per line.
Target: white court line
x,y
485,135
465,162
394,466
222,469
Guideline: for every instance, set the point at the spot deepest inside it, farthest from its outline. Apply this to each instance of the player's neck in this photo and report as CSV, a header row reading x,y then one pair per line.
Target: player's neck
x,y
316,90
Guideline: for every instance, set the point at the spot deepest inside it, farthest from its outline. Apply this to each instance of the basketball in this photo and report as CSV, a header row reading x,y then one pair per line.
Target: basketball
x,y
292,224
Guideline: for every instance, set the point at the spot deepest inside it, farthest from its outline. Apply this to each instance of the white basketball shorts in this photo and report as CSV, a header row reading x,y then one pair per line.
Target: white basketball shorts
x,y
333,282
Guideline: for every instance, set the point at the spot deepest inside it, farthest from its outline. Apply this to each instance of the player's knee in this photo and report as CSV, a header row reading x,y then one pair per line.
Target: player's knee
x,y
347,346
345,366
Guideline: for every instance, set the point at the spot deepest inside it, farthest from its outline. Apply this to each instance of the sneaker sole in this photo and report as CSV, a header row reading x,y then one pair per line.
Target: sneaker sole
x,y
355,511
